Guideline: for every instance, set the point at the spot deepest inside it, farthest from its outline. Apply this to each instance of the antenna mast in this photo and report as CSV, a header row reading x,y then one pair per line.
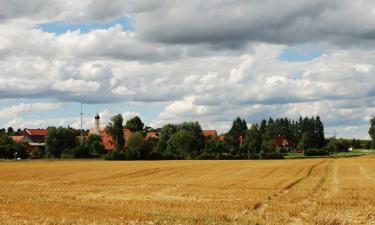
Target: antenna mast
x,y
81,125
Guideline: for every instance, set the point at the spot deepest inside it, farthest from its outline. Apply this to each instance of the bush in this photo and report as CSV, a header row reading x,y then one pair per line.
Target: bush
x,y
81,152
36,153
254,156
8,151
132,154
67,154
154,155
316,152
116,155
206,155
271,155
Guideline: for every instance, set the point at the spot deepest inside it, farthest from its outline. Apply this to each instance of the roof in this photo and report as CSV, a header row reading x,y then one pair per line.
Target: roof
x,y
281,141
17,138
107,139
221,138
207,133
36,132
152,134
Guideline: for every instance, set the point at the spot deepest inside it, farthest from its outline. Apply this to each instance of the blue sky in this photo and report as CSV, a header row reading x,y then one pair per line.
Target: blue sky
x,y
61,27
300,53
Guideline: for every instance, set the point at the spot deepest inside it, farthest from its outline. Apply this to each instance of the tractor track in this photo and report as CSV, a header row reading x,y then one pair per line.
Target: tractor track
x,y
260,207
310,201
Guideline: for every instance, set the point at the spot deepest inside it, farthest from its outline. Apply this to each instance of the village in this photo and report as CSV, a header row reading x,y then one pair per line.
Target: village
x,y
270,139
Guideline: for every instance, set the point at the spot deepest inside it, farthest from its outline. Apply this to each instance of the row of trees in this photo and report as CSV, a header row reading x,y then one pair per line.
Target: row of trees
x,y
186,140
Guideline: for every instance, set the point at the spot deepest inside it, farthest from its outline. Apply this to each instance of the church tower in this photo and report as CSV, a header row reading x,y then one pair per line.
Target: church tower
x,y
97,124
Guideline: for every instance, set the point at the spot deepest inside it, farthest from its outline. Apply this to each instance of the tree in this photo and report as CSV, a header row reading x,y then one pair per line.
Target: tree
x,y
166,133
253,140
115,130
138,147
5,140
235,134
306,141
59,139
182,144
371,131
10,131
135,124
319,138
94,143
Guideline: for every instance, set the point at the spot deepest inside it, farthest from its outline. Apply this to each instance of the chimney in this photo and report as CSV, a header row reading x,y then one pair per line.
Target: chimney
x,y
97,124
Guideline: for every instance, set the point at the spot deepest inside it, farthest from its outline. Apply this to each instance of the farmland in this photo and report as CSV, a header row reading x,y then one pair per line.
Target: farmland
x,y
308,191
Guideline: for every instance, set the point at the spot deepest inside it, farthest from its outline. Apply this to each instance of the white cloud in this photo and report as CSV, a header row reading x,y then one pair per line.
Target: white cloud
x,y
14,110
203,67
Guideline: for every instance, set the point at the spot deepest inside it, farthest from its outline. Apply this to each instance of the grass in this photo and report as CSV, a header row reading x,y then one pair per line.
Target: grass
x,y
354,153
309,191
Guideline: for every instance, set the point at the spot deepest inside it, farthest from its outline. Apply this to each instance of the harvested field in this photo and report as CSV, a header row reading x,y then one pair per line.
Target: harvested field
x,y
308,191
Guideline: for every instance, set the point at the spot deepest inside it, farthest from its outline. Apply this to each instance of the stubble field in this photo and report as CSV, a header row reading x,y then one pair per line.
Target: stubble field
x,y
309,191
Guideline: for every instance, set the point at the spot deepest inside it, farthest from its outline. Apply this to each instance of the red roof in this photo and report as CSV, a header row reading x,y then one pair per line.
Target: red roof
x,y
212,133
17,138
152,134
107,139
221,138
36,132
281,141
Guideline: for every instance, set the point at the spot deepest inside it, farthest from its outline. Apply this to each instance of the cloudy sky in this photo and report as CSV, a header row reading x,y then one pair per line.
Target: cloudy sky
x,y
172,61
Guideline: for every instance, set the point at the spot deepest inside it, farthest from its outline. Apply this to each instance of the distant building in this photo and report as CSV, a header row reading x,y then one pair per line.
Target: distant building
x,y
32,138
210,133
107,140
221,138
152,134
282,144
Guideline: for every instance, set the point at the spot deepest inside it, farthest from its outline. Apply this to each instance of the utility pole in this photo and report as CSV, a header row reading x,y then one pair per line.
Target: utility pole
x,y
81,126
334,143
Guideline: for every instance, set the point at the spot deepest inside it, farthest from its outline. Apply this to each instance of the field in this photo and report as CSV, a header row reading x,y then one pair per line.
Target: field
x,y
307,191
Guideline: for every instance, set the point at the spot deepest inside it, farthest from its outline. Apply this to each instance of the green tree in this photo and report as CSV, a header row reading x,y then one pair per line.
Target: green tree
x,y
235,134
319,138
59,139
94,143
182,144
214,146
268,146
166,133
10,131
135,124
371,131
253,140
115,130
306,142
138,147
5,139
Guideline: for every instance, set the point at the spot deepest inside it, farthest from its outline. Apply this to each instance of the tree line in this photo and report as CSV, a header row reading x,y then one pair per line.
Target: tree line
x,y
186,141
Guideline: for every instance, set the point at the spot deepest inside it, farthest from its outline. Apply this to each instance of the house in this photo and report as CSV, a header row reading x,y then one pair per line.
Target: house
x,y
107,139
210,133
282,144
152,134
32,138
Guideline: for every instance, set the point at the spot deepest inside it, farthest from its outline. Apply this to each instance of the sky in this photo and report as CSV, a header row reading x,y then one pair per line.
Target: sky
x,y
170,61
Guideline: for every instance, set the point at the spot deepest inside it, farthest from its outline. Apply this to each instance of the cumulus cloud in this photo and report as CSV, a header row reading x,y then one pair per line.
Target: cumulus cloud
x,y
223,21
15,110
206,60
